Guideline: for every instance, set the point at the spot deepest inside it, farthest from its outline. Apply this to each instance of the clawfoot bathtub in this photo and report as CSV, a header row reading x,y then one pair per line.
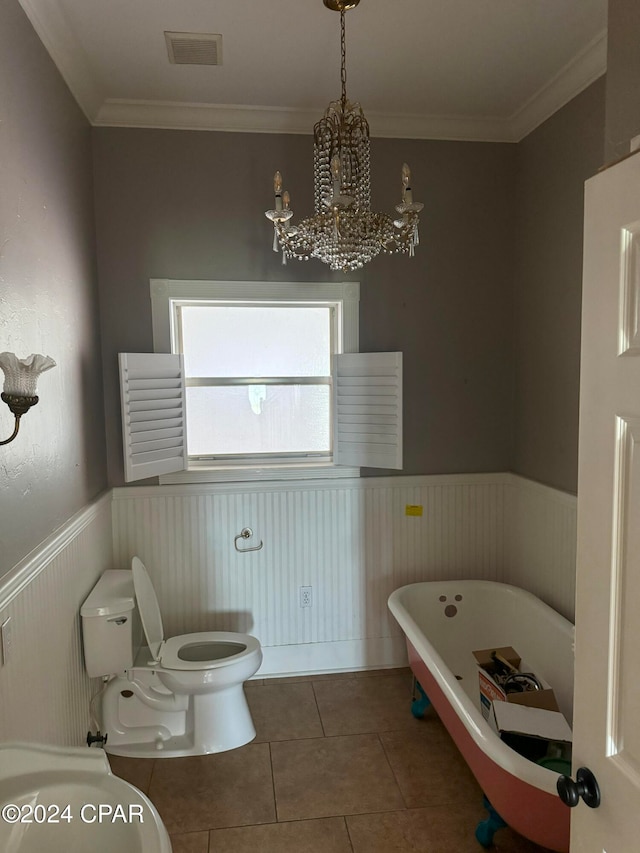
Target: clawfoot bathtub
x,y
443,623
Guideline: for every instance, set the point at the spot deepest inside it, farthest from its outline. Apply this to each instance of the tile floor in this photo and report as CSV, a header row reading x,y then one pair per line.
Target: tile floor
x,y
339,765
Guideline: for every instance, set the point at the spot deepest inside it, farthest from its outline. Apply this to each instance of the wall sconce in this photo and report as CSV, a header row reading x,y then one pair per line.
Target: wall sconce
x,y
20,380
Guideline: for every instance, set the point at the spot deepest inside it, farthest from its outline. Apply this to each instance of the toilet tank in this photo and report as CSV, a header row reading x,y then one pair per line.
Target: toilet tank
x,y
108,624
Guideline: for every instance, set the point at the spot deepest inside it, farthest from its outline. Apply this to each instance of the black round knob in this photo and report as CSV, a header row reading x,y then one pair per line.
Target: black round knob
x,y
568,791
585,787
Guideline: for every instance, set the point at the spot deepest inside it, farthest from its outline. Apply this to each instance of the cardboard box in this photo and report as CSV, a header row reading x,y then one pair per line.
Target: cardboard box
x,y
529,731
491,691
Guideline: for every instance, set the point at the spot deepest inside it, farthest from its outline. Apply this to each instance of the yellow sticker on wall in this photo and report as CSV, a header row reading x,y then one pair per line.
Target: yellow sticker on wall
x,y
413,509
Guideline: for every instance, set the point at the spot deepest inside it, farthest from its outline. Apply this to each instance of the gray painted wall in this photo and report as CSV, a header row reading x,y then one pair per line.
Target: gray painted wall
x,y
553,163
177,204
184,204
48,293
623,77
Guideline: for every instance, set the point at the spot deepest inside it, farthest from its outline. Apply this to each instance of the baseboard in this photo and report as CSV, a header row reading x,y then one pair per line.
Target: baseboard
x,y
345,655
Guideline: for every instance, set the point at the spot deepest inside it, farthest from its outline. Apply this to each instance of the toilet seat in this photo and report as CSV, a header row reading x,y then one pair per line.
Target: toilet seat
x,y
186,652
221,641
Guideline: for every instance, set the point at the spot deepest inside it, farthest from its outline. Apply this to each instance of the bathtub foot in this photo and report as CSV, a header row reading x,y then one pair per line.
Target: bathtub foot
x,y
486,829
421,702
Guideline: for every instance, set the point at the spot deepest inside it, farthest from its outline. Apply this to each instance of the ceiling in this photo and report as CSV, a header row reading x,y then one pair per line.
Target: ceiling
x,y
452,69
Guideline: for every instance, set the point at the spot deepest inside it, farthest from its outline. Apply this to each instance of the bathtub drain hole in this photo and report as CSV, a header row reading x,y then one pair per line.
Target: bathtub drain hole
x,y
450,610
458,598
443,598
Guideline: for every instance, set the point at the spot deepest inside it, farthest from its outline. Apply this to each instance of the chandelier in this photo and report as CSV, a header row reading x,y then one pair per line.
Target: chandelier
x,y
343,232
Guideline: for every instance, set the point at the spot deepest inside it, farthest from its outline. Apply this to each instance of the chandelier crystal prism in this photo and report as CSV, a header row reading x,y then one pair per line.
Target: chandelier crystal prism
x,y
343,232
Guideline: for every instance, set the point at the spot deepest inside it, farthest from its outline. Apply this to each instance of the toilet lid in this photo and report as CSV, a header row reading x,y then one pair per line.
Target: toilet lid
x,y
147,607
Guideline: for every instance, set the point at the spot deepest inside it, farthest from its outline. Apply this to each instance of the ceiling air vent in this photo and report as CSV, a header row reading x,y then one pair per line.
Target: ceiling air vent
x,y
194,48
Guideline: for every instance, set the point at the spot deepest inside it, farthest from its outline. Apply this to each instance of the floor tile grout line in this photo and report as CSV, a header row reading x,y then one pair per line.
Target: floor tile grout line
x,y
346,826
273,785
153,767
334,737
393,773
315,697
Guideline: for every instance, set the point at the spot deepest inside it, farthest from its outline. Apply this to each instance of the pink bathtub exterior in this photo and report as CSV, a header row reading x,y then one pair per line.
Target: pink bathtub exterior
x,y
522,792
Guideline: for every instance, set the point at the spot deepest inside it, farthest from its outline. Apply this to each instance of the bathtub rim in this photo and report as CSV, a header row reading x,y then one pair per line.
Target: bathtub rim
x,y
479,729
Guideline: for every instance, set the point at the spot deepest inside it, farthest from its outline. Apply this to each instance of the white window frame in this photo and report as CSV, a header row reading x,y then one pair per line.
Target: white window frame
x,y
165,293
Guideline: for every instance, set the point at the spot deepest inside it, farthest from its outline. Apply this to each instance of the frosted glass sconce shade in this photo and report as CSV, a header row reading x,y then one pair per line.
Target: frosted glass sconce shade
x,y
21,374
20,381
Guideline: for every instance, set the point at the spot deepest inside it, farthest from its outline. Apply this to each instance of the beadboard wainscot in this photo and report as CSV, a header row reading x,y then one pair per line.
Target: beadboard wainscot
x,y
541,542
44,690
352,542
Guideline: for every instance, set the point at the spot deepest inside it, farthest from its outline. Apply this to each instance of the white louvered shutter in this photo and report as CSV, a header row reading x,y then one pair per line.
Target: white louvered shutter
x,y
154,430
367,391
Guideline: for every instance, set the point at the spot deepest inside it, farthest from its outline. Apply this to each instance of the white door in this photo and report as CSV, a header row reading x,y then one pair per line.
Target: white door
x,y
607,699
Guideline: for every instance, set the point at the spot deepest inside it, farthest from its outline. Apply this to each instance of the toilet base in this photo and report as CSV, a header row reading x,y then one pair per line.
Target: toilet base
x,y
144,720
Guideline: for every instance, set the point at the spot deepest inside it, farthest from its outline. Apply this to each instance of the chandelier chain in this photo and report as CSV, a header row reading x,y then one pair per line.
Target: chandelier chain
x,y
343,57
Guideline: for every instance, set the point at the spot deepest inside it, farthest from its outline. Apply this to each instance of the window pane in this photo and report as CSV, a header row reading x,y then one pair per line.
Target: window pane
x,y
258,419
256,341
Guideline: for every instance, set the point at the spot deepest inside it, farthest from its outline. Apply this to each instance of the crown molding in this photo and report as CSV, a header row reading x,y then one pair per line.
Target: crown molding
x,y
75,67
583,70
172,115
250,119
67,53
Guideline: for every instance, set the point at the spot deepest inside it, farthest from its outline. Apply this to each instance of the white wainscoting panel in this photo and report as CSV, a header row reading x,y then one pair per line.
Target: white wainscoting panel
x,y
351,542
542,543
44,691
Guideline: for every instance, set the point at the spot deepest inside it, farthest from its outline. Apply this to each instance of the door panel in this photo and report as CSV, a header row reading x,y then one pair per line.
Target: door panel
x,y
607,688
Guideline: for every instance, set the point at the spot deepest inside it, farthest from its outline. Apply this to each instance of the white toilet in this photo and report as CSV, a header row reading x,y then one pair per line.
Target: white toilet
x,y
174,697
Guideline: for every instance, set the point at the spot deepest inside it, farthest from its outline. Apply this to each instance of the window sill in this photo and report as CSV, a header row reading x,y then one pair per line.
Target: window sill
x,y
203,473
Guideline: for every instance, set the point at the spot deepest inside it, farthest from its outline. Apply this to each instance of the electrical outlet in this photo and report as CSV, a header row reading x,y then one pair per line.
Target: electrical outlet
x,y
6,632
305,596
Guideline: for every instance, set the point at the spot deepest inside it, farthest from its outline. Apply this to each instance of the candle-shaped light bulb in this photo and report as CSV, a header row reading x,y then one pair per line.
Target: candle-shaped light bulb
x,y
286,200
407,194
277,188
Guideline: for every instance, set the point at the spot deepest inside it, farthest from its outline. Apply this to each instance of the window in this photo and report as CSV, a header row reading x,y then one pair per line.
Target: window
x,y
258,373
258,378
255,381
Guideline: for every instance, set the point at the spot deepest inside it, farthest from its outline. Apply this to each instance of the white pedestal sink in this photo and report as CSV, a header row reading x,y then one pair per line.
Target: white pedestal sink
x,y
65,799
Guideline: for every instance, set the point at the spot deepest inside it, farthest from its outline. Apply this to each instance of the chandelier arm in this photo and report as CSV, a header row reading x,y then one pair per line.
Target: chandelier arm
x,y
293,243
